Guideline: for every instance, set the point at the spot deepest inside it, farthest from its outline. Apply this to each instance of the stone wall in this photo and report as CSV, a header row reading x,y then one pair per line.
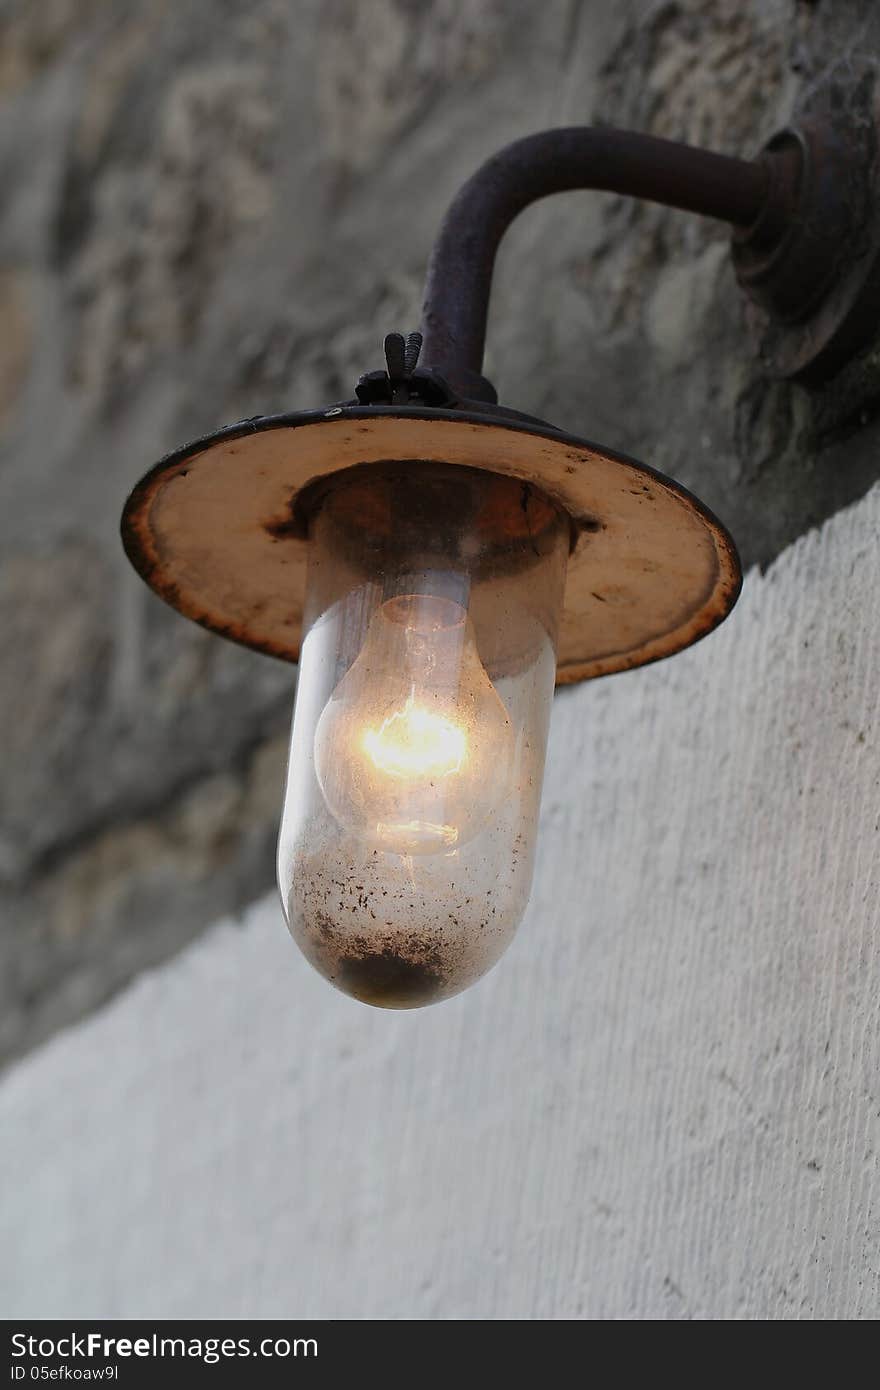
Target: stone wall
x,y
215,210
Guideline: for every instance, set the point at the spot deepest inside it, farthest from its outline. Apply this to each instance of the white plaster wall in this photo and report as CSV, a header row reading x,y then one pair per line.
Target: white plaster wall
x,y
664,1102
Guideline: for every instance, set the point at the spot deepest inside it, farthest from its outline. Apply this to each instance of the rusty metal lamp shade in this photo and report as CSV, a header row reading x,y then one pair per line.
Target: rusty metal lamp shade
x,y
219,529
437,562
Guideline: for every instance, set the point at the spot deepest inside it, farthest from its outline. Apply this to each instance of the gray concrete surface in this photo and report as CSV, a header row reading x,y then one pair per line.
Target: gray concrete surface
x,y
662,1103
217,210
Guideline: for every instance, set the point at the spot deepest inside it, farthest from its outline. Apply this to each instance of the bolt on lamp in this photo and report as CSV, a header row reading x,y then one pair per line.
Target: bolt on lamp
x,y
437,562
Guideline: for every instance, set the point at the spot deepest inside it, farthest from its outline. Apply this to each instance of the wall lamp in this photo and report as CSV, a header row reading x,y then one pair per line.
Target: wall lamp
x,y
436,562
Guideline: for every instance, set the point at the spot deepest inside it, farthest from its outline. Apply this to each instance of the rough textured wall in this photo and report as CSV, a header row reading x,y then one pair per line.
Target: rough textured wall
x,y
217,209
663,1102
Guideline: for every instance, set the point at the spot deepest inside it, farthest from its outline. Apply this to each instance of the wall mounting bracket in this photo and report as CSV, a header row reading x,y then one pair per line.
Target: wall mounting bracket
x,y
806,238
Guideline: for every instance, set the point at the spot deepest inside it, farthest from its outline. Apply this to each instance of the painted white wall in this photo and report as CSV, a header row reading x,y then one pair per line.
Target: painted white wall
x,y
664,1102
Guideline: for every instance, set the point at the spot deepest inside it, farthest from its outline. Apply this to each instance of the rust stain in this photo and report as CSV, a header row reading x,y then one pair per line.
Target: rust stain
x,y
291,529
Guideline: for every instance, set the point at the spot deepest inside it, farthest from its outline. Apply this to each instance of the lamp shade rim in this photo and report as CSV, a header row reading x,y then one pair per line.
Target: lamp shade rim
x,y
213,527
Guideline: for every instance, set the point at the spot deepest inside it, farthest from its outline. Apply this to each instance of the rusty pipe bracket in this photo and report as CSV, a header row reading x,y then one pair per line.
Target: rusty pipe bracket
x,y
813,275
803,247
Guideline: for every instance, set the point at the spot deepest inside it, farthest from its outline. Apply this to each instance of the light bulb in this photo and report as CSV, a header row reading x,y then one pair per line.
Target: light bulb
x,y
414,749
423,699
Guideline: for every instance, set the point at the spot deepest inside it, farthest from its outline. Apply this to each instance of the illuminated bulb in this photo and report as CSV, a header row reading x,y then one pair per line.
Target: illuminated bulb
x,y
425,682
414,749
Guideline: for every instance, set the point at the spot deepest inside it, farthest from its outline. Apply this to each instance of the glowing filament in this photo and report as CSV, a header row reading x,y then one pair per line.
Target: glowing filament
x,y
416,742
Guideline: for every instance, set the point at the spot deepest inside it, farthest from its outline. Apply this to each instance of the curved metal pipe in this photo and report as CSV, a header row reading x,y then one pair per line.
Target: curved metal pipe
x,y
619,161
